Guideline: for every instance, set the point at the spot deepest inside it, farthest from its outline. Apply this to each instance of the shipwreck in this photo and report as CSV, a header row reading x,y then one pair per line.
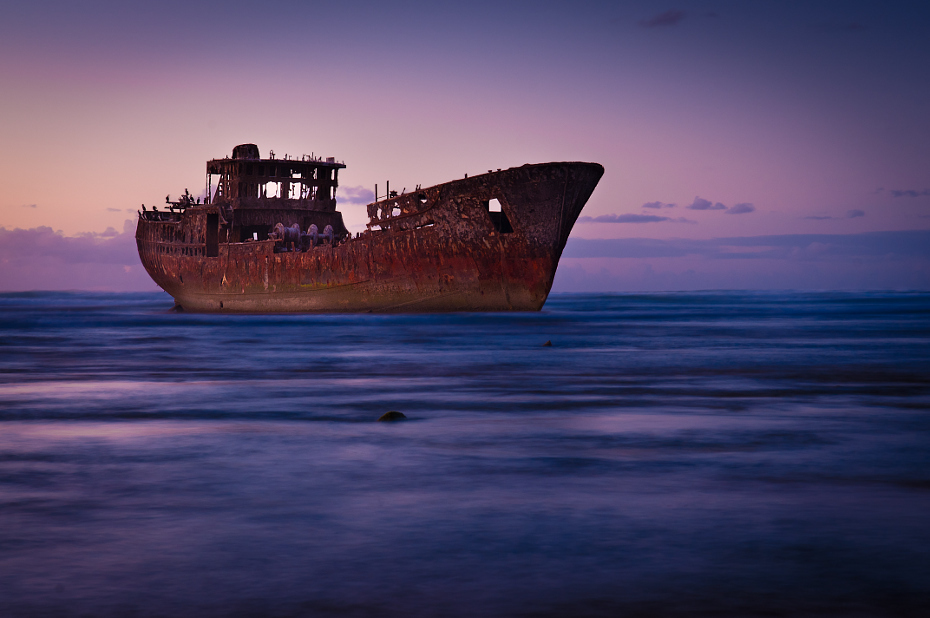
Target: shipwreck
x,y
268,238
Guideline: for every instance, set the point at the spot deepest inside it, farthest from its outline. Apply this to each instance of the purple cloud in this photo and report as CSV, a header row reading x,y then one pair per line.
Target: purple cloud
x,y
623,219
108,247
630,218
909,192
667,18
740,209
915,243
850,214
702,204
658,205
29,206
355,195
875,260
44,259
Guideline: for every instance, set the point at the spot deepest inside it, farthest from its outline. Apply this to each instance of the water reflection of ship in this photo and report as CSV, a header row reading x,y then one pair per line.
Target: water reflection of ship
x,y
268,238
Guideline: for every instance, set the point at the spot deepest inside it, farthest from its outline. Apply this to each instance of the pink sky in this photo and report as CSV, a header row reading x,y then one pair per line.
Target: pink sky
x,y
814,114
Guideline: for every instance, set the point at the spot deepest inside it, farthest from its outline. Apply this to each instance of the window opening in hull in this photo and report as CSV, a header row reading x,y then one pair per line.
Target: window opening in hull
x,y
498,217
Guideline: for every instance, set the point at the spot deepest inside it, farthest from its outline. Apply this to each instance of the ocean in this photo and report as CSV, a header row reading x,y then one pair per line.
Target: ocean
x,y
676,454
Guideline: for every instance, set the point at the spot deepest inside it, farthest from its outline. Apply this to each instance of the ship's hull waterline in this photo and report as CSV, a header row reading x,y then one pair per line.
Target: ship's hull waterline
x,y
444,251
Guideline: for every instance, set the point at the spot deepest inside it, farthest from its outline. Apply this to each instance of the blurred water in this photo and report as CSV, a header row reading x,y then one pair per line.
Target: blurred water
x,y
671,454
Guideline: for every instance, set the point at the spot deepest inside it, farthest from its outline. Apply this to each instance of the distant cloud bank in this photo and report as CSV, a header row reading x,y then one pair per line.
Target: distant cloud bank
x,y
875,260
871,244
699,203
629,218
44,259
909,192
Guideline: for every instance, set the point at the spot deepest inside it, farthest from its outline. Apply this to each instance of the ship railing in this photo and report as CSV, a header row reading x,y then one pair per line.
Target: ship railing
x,y
164,216
408,204
179,249
404,221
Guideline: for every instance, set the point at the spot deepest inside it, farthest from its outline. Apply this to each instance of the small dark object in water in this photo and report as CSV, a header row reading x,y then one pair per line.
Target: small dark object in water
x,y
548,344
393,415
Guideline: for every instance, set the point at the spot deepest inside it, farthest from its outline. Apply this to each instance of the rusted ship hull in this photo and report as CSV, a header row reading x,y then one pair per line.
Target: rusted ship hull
x,y
437,249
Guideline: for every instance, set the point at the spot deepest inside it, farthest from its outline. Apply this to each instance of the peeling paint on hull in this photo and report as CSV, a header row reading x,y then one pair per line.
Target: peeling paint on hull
x,y
437,249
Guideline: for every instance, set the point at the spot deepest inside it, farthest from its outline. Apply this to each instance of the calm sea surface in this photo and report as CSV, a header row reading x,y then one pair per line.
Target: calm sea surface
x,y
687,454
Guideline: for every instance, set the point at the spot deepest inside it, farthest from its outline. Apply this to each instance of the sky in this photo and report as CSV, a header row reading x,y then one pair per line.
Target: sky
x,y
800,126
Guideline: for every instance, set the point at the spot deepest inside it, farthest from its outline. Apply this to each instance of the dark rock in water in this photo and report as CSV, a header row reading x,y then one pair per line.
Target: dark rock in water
x,y
393,415
548,344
